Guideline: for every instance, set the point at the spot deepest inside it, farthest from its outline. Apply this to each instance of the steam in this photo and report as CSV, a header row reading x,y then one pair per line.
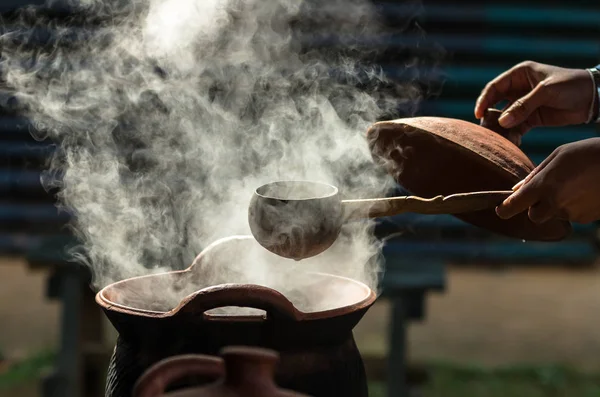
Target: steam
x,y
169,113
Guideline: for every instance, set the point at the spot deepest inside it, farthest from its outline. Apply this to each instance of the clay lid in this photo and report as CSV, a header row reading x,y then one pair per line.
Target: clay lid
x,y
430,156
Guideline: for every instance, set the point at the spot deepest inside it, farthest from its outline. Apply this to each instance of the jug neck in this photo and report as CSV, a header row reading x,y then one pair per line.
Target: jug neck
x,y
249,368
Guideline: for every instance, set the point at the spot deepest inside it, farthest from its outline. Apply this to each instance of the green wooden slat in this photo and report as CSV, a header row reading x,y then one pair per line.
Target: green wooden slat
x,y
52,250
500,14
557,136
8,5
455,75
528,47
456,78
497,251
461,109
505,45
420,223
413,275
570,17
478,76
590,4
517,46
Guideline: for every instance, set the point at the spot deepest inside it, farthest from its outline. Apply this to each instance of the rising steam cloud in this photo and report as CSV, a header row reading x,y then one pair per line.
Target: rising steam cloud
x,y
169,113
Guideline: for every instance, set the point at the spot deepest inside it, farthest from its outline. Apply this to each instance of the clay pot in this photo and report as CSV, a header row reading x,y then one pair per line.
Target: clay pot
x,y
432,156
188,312
249,372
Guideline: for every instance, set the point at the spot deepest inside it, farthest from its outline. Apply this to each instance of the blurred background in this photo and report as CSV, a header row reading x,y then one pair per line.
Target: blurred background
x,y
463,312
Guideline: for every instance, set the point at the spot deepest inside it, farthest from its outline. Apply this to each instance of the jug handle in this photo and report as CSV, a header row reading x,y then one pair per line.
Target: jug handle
x,y
154,382
253,296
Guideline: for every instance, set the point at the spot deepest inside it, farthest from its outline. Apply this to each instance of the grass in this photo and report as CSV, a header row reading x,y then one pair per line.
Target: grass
x,y
447,380
27,370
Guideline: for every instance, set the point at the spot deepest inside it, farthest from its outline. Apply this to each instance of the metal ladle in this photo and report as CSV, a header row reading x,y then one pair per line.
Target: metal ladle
x,y
301,219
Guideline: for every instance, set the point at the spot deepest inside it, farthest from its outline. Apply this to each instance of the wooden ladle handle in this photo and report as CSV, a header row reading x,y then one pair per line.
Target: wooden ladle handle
x,y
453,204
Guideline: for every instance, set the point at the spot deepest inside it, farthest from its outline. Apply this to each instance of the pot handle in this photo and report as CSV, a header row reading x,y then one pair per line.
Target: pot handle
x,y
253,296
490,121
154,382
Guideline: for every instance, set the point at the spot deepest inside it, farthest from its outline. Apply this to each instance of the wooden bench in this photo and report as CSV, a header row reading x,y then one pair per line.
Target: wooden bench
x,y
32,227
83,354
480,39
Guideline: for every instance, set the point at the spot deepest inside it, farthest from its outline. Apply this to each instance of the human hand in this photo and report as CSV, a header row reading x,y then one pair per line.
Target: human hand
x,y
539,95
490,121
566,185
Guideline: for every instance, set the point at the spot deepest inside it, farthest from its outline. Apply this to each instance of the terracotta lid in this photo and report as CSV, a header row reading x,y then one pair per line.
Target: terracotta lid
x,y
430,156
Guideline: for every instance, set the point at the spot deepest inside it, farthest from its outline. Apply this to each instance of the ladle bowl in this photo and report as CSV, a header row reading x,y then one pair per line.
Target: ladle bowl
x,y
295,219
301,219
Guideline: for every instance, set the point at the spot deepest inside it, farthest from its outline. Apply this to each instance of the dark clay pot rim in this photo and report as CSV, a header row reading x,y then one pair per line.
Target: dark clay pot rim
x,y
297,315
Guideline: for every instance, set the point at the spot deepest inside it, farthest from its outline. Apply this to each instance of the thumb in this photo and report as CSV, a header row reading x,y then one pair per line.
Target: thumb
x,y
523,107
535,171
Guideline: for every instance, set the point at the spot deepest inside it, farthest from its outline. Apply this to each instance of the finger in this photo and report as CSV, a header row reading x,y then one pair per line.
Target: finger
x,y
542,165
542,212
535,171
519,201
492,93
518,131
496,90
522,108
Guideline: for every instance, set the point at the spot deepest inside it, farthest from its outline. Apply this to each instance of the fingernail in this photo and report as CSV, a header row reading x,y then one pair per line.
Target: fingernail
x,y
500,210
506,120
518,185
477,111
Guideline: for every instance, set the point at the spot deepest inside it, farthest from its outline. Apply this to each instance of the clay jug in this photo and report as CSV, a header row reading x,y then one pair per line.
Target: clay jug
x,y
246,372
